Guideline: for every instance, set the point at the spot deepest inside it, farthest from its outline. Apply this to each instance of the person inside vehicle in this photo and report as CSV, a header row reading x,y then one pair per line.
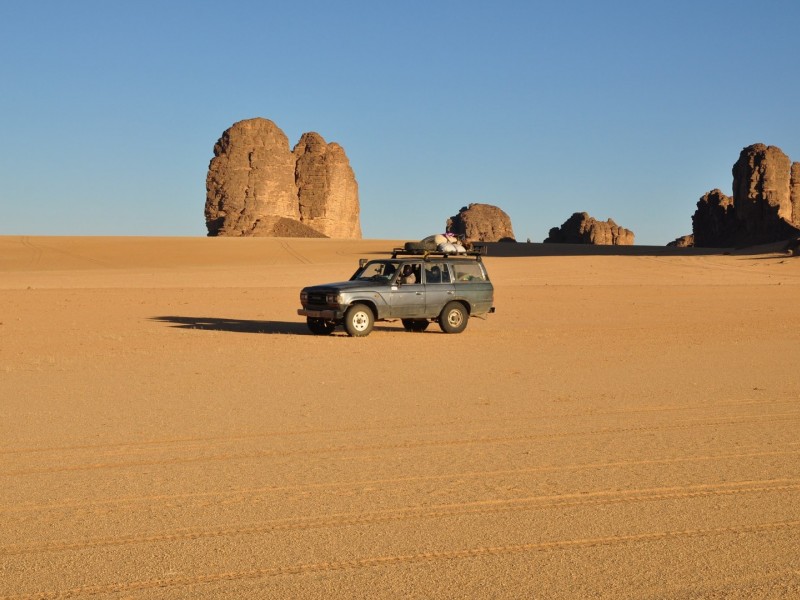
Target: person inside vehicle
x,y
433,274
388,270
407,275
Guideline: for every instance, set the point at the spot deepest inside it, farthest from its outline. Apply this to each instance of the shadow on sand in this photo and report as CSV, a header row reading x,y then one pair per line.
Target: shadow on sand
x,y
512,249
509,249
235,325
244,325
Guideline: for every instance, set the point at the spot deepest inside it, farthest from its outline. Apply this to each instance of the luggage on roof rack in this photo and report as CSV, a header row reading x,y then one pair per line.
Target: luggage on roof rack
x,y
422,246
447,244
477,252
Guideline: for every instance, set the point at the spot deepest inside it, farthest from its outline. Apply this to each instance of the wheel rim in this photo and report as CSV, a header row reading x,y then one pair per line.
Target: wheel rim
x,y
455,318
360,321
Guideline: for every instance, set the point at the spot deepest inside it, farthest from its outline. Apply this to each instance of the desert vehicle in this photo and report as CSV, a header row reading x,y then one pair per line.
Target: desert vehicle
x,y
417,286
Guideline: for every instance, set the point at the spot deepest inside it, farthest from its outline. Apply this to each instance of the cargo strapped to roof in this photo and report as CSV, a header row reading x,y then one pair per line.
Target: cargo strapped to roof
x,y
476,253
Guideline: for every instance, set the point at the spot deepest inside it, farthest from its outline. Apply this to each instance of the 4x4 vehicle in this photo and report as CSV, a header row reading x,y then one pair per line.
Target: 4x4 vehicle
x,y
416,286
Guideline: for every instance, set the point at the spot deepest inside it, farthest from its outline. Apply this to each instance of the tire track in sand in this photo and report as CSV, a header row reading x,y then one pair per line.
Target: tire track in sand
x,y
37,251
254,495
39,248
294,253
392,429
403,559
408,445
483,507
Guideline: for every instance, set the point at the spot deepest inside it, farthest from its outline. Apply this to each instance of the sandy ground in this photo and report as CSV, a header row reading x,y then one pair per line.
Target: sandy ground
x,y
622,427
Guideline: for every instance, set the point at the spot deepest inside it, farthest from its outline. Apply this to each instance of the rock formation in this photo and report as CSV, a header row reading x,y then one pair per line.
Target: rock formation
x,y
764,206
481,223
327,188
256,186
581,228
761,184
250,182
685,241
714,223
794,187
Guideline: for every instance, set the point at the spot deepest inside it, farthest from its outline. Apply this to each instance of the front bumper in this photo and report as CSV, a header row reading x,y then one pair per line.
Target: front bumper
x,y
327,314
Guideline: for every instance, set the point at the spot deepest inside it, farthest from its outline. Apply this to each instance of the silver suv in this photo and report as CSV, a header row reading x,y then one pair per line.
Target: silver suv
x,y
417,287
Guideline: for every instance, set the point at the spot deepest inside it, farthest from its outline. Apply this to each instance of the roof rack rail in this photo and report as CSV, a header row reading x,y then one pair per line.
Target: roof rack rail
x,y
476,253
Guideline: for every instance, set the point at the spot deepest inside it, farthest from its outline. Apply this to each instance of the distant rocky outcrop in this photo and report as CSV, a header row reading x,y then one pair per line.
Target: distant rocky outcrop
x,y
581,228
256,186
326,187
250,182
481,223
685,241
794,193
714,223
765,206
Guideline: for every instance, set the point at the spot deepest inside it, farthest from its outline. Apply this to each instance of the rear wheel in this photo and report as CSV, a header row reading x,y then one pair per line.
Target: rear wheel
x,y
453,318
320,326
358,320
415,324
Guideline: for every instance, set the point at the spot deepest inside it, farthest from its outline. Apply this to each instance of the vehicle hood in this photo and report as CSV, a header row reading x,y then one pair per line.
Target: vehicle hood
x,y
346,286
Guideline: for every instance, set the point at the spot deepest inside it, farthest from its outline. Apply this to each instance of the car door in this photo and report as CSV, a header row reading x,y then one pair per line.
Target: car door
x,y
408,299
439,288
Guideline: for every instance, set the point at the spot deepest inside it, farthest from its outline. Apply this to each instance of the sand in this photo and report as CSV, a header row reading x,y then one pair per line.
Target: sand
x,y
622,427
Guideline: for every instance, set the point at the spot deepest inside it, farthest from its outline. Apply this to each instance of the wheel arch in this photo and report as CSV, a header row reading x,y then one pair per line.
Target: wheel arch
x,y
465,303
369,303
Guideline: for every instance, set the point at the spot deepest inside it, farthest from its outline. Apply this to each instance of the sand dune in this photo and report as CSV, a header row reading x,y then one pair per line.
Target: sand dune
x,y
622,427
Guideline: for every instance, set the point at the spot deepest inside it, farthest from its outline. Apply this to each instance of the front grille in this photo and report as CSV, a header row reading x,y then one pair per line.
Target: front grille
x,y
317,299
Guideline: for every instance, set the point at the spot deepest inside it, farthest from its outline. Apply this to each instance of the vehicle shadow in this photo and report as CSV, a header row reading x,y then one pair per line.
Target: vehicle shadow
x,y
234,325
241,325
507,249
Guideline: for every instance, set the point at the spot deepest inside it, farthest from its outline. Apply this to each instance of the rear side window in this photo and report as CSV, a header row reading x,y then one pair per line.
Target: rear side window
x,y
468,271
437,273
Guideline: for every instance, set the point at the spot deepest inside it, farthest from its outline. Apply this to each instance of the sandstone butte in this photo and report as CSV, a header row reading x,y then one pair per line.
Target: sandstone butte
x,y
764,208
257,186
481,223
581,228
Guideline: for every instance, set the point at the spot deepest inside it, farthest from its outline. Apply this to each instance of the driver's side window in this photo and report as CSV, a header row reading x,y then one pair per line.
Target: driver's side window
x,y
410,273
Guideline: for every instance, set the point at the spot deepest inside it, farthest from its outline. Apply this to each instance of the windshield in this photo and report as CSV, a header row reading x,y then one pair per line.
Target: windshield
x,y
376,270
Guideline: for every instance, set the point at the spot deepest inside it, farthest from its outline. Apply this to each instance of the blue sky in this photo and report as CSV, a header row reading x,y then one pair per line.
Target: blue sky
x,y
630,110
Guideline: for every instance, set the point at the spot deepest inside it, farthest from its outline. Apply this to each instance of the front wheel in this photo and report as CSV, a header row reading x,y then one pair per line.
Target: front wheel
x,y
320,326
358,320
453,318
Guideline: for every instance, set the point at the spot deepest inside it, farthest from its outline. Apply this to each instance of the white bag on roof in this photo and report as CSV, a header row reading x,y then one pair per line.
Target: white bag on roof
x,y
442,238
450,248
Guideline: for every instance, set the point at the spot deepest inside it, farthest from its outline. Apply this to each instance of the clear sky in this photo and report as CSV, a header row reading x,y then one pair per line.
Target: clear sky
x,y
623,109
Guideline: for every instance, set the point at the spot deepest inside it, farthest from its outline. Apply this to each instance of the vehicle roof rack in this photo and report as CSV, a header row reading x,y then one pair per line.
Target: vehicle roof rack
x,y
474,253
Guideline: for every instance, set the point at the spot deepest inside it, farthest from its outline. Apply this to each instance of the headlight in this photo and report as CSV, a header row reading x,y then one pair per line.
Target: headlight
x,y
303,297
333,299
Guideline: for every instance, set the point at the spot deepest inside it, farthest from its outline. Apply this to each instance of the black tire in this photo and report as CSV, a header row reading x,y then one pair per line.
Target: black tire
x,y
453,318
418,325
358,320
320,326
420,246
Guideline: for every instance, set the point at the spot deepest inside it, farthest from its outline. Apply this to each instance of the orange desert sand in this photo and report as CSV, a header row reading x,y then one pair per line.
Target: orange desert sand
x,y
622,427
